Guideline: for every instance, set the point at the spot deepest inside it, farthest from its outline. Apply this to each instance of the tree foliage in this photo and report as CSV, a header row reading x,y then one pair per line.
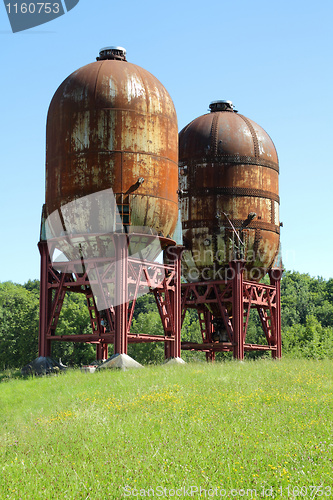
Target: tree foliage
x,y
19,310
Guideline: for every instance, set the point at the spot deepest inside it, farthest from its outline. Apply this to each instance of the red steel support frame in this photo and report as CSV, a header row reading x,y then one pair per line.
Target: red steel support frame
x,y
121,310
237,267
275,276
128,275
45,300
176,302
237,296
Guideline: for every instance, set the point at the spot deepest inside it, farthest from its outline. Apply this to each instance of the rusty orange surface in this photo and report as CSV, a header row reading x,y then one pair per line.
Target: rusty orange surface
x,y
109,124
228,164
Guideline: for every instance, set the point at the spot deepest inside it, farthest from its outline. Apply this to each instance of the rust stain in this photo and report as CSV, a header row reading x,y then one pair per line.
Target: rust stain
x,y
227,163
109,124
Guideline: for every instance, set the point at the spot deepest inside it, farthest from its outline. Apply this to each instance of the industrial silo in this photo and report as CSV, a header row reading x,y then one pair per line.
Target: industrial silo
x,y
111,193
229,200
229,194
112,126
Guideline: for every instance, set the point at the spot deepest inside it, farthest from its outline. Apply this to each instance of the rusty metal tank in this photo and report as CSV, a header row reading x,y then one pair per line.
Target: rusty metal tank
x,y
112,126
229,195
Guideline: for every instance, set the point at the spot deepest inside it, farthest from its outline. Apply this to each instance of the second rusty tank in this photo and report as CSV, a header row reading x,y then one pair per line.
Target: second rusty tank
x,y
112,128
229,195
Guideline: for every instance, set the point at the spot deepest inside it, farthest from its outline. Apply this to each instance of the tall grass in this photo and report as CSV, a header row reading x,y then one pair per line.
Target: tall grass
x,y
238,430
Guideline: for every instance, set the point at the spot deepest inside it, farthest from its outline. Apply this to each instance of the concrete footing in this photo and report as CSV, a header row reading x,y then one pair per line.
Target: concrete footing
x,y
121,361
175,361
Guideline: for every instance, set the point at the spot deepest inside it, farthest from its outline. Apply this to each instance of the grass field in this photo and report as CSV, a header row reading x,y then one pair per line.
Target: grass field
x,y
260,429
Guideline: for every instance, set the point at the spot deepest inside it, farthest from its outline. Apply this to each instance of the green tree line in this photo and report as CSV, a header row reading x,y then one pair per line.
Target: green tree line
x,y
307,324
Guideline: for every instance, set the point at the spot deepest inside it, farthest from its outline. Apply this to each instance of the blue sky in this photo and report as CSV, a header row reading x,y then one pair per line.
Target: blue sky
x,y
272,59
